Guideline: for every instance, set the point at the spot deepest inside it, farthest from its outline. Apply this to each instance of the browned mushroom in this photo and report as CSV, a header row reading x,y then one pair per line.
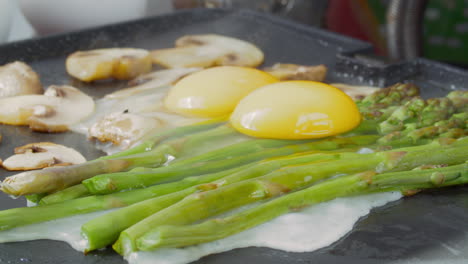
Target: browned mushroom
x,y
207,51
55,111
118,63
40,155
17,78
286,71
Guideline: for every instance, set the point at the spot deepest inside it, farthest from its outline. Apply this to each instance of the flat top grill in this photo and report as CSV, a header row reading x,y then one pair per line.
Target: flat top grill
x,y
429,226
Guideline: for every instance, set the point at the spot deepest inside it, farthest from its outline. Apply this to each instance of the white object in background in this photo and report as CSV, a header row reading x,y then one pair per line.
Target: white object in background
x,y
20,27
159,7
6,7
53,16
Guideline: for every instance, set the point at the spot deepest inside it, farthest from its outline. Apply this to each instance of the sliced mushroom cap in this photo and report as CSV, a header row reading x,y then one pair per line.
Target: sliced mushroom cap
x,y
122,129
152,80
207,51
55,111
17,78
118,63
286,71
356,92
40,155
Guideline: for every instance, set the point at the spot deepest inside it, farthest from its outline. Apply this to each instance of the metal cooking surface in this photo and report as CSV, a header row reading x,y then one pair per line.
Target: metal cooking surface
x,y
431,226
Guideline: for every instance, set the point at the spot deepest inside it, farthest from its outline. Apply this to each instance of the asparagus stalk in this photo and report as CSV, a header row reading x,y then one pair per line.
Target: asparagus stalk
x,y
362,183
28,215
284,180
108,183
67,194
239,149
104,230
56,178
380,104
459,99
418,113
453,127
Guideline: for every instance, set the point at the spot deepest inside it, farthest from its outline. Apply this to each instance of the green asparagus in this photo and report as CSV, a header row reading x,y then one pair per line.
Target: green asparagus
x,y
287,179
27,215
56,178
362,183
108,183
99,233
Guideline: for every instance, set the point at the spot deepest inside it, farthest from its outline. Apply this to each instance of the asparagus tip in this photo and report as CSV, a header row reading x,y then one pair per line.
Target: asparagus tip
x,y
14,185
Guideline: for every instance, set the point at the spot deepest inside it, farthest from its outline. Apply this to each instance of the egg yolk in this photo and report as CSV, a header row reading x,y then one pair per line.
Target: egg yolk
x,y
295,110
216,91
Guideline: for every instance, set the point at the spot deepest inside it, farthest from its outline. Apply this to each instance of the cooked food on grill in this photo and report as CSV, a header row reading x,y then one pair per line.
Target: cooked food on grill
x,y
288,71
295,110
118,63
54,111
123,129
215,92
41,155
207,51
224,157
17,78
357,92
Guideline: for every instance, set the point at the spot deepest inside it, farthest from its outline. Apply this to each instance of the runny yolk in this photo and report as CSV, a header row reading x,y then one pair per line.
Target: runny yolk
x,y
216,91
295,110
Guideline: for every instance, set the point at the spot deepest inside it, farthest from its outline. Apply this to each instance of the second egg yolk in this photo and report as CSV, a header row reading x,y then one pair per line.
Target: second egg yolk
x,y
295,110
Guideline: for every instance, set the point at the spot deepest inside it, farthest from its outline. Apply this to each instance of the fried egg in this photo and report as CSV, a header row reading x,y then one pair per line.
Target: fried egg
x,y
295,110
215,92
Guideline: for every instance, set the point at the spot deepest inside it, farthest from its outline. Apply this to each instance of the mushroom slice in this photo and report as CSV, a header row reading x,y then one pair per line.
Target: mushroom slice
x,y
152,80
55,111
286,71
118,63
356,92
207,51
17,78
122,129
41,155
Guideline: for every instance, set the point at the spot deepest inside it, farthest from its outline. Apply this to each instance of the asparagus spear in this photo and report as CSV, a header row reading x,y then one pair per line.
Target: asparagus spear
x,y
456,124
70,193
362,183
100,233
56,178
236,150
108,183
28,215
286,179
380,104
418,113
459,99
